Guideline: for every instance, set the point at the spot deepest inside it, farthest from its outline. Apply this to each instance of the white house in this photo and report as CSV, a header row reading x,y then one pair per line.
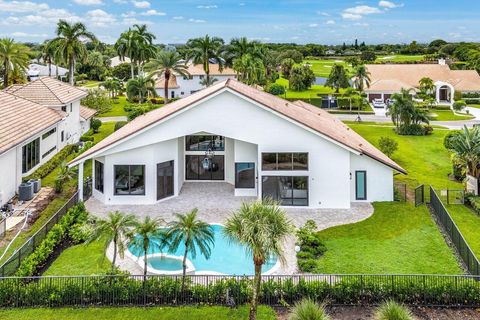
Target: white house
x,y
230,132
37,120
36,71
388,79
180,86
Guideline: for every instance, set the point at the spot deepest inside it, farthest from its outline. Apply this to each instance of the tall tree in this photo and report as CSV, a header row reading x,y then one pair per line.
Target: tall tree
x,y
426,85
140,88
250,69
126,46
147,236
262,227
168,64
239,47
70,43
338,78
116,228
362,78
193,234
48,55
466,146
113,85
13,58
202,50
404,112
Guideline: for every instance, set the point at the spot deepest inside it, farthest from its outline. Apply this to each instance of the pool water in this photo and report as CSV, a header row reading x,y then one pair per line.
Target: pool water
x,y
226,258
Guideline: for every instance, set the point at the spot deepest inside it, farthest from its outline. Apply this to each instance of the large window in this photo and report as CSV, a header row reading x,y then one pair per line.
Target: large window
x,y
287,190
30,155
99,176
199,167
165,179
244,175
361,185
129,180
284,161
204,143
48,133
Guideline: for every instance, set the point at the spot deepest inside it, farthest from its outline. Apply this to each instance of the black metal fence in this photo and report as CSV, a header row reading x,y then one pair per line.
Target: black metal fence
x,y
125,290
419,195
9,267
456,237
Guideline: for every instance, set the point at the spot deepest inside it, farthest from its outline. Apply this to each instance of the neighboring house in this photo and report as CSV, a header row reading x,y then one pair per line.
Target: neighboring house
x,y
184,86
36,71
388,79
115,61
37,120
330,52
263,145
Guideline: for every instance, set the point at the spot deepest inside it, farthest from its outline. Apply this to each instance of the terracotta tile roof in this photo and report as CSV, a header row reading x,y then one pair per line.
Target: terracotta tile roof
x,y
385,77
172,82
197,70
21,119
86,113
48,92
303,113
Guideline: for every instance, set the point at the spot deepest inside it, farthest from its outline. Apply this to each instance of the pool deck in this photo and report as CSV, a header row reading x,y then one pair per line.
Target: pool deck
x,y
215,203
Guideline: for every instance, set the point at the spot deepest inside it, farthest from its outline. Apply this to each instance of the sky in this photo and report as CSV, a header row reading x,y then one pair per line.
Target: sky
x,y
301,21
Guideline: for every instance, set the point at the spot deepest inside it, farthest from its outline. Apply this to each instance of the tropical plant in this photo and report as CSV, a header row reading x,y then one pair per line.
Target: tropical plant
x,y
404,112
426,85
116,228
388,146
391,310
147,236
239,47
459,105
338,78
168,64
97,99
13,59
48,55
113,85
65,173
250,69
262,227
466,146
307,309
193,234
207,82
301,78
70,44
286,66
368,56
362,78
202,50
140,88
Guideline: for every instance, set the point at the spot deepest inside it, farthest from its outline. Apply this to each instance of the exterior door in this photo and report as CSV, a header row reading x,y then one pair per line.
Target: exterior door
x,y
165,180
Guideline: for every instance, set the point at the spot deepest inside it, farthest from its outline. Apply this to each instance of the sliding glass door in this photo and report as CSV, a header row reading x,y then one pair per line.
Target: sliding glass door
x,y
287,190
199,167
165,180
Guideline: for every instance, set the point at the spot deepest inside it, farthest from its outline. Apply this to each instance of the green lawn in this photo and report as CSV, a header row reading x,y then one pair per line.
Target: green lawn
x,y
477,106
322,68
313,92
469,224
400,58
90,84
447,115
117,108
156,313
399,238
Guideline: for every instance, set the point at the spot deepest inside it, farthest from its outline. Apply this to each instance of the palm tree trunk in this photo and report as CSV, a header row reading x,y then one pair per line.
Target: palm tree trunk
x,y
165,86
56,69
184,264
145,264
5,75
72,71
50,67
114,254
257,280
132,69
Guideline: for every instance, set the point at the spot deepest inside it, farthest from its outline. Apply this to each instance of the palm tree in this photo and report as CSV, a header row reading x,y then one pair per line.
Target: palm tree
x,y
262,227
338,78
307,309
116,228
403,110
201,50
207,82
48,55
148,235
239,47
140,87
426,85
193,234
113,85
65,173
145,50
126,46
250,69
166,64
70,43
362,78
13,58
466,146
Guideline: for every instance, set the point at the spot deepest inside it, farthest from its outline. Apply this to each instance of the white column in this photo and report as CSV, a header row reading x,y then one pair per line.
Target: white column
x,y
80,181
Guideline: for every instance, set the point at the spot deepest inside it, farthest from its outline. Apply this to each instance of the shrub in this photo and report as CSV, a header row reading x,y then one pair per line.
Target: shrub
x,y
30,265
119,124
388,146
65,173
459,105
311,247
301,78
473,201
122,71
45,169
276,89
95,124
472,101
308,309
157,101
449,138
457,95
138,110
390,310
98,99
86,138
411,130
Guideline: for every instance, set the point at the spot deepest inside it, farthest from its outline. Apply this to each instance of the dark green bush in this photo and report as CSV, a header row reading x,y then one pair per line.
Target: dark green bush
x,y
45,169
473,201
119,124
472,101
311,247
157,100
86,138
276,89
459,105
95,124
413,130
449,138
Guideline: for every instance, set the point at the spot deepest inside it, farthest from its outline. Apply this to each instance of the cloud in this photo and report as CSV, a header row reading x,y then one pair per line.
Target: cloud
x,y
389,5
362,10
28,35
141,4
196,20
313,25
330,22
178,18
100,18
43,17
361,24
130,21
325,14
22,6
89,2
153,12
120,1
350,16
214,6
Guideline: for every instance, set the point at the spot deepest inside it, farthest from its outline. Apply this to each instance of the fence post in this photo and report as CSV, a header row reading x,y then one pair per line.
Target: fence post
x,y
448,196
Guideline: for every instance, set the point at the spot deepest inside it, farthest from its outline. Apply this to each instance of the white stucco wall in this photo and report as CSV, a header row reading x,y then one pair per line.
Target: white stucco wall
x,y
9,177
188,86
379,179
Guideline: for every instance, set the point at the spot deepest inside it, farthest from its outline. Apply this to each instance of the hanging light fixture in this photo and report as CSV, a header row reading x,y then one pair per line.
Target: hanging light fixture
x,y
207,161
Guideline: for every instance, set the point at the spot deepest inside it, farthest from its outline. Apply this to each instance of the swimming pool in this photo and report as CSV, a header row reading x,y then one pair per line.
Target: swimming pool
x,y
226,259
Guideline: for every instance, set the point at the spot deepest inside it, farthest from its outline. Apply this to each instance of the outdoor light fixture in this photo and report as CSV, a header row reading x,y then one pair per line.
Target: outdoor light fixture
x,y
207,161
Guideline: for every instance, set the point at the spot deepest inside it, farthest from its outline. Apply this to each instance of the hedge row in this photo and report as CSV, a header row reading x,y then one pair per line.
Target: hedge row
x,y
275,290
30,265
45,169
